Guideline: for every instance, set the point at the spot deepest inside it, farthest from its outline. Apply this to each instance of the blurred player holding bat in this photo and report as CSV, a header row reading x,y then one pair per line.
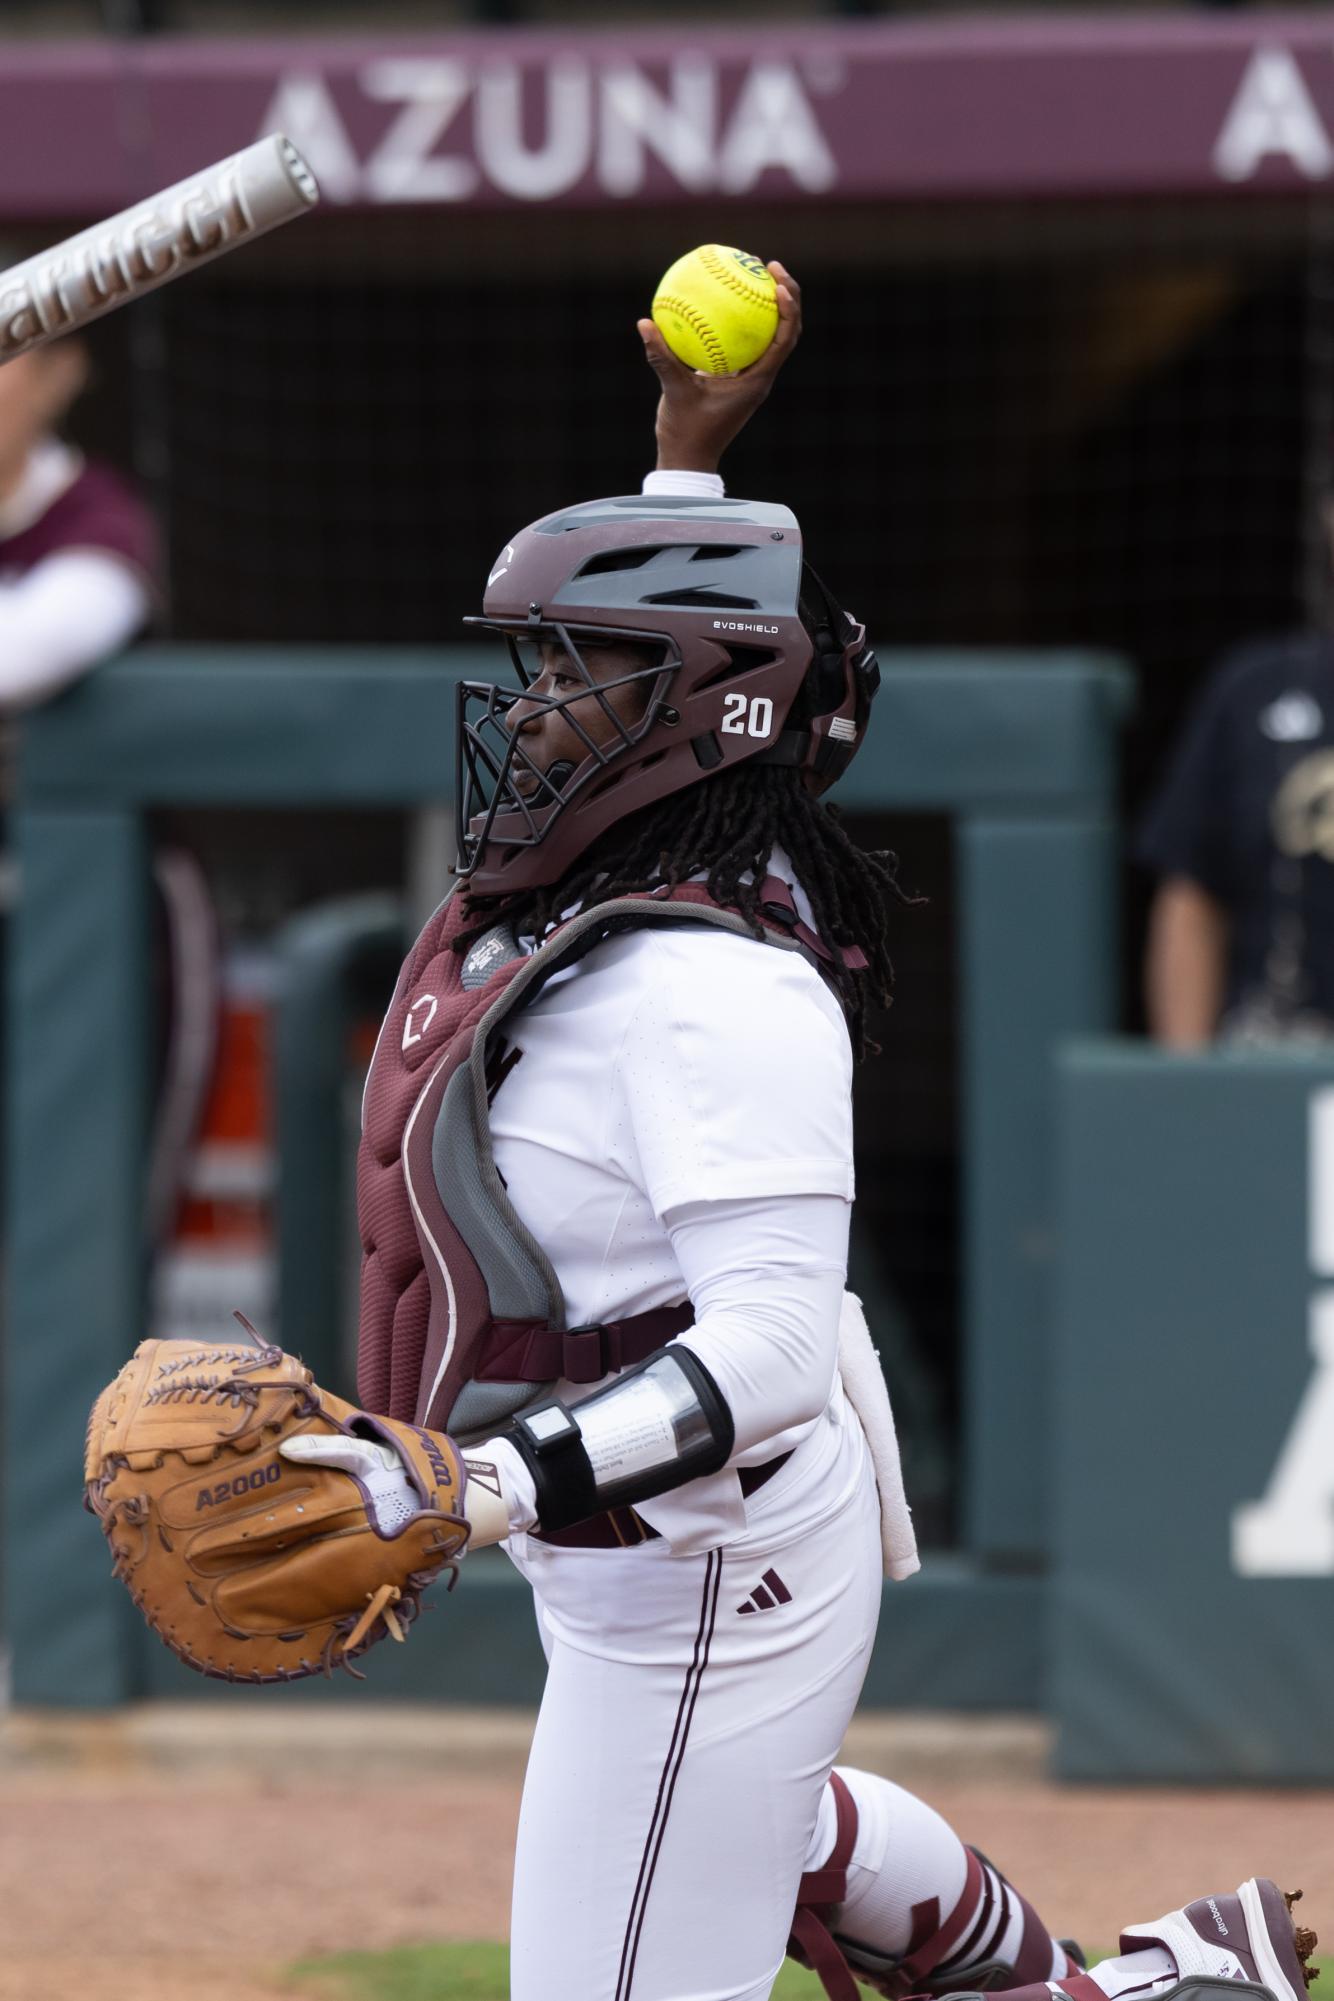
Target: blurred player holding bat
x,y
79,558
77,550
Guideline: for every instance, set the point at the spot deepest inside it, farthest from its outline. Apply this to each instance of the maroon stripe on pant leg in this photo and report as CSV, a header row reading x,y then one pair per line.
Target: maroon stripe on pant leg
x,y
713,1567
680,1760
681,1711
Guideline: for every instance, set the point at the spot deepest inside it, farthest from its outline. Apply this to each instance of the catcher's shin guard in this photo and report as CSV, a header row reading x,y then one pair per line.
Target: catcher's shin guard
x,y
960,1948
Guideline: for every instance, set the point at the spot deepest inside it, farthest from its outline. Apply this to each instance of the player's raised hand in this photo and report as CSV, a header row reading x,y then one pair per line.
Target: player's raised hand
x,y
700,414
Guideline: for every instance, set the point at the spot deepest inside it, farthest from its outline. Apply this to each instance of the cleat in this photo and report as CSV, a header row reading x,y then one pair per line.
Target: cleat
x,y
1248,1936
1303,1938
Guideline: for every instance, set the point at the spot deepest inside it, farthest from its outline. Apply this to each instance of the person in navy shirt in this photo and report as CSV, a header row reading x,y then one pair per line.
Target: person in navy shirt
x,y
1241,837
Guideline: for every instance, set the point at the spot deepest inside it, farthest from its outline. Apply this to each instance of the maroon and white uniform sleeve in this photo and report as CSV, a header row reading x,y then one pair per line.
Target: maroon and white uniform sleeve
x,y
64,616
79,567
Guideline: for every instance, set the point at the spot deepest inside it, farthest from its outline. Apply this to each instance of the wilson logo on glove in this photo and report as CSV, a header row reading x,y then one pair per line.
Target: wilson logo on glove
x,y
435,1458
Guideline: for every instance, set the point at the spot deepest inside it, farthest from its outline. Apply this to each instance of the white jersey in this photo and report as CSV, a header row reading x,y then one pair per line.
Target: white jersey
x,y
679,1123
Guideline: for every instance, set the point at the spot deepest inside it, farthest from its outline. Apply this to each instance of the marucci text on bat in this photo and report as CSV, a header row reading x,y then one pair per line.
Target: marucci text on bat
x,y
214,211
137,250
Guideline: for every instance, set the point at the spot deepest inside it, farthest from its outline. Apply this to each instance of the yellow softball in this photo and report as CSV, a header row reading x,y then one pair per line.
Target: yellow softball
x,y
717,308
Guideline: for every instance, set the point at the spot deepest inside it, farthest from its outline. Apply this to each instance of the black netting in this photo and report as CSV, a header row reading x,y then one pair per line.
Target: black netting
x,y
1068,428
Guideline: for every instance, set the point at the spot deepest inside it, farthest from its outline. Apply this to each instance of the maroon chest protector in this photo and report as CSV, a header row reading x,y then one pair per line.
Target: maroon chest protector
x,y
462,1317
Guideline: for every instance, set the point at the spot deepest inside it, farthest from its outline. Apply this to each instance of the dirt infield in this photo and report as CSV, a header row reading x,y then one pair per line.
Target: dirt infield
x,y
193,1853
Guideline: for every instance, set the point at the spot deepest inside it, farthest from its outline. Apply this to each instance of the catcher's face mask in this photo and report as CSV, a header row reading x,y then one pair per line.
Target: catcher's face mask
x,y
582,698
729,628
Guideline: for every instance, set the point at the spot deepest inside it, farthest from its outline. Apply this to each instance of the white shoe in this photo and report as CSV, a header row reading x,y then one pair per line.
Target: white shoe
x,y
1249,1935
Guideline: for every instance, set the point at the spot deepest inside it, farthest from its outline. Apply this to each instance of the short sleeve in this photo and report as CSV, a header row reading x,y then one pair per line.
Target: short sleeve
x,y
736,1074
1186,829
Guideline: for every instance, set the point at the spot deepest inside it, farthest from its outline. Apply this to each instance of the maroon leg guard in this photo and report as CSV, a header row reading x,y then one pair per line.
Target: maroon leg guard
x,y
812,1942
974,1965
955,1954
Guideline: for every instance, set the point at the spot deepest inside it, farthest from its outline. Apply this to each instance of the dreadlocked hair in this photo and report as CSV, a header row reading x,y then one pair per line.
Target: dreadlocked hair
x,y
724,831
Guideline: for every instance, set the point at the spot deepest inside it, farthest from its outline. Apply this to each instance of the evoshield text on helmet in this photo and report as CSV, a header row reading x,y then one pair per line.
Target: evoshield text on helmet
x,y
711,604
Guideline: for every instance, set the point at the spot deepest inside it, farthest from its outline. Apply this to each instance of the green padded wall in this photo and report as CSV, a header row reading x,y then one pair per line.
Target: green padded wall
x,y
1191,1615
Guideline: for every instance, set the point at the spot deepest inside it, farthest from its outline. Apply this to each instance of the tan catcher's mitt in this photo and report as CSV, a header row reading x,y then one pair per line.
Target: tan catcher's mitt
x,y
250,1567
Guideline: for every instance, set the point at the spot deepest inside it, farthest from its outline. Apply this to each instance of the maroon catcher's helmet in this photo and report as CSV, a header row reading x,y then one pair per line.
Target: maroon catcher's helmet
x,y
748,659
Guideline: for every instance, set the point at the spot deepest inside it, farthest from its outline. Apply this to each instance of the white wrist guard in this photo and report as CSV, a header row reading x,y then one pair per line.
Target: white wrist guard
x,y
654,1428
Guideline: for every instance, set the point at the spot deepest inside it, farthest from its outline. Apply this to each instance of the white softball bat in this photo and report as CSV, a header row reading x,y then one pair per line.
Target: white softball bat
x,y
217,210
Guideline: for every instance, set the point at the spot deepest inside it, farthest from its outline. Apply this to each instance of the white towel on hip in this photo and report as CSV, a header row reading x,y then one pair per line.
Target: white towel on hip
x,y
864,1387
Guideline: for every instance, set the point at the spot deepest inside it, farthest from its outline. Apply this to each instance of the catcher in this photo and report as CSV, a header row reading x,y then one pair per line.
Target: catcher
x,y
604,1187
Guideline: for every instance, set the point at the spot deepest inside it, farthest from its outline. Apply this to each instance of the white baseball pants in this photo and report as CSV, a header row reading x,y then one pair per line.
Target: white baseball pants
x,y
693,1710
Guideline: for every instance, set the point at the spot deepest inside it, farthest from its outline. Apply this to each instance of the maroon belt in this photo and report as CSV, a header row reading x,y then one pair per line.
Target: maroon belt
x,y
622,1528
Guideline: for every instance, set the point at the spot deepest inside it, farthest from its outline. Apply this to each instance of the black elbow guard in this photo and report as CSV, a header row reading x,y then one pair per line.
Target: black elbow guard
x,y
658,1425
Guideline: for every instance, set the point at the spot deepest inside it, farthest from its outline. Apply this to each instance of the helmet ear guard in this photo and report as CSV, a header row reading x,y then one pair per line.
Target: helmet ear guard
x,y
828,719
835,737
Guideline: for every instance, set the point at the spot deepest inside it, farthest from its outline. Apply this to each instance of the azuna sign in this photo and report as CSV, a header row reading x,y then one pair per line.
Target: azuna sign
x,y
462,130
884,112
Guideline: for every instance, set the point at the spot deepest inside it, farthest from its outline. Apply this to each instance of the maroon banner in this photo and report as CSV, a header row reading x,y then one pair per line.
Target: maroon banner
x,y
889,111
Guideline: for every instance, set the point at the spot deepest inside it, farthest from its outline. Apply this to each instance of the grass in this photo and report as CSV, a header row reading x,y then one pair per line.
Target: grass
x,y
408,1973
451,1973
480,1973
